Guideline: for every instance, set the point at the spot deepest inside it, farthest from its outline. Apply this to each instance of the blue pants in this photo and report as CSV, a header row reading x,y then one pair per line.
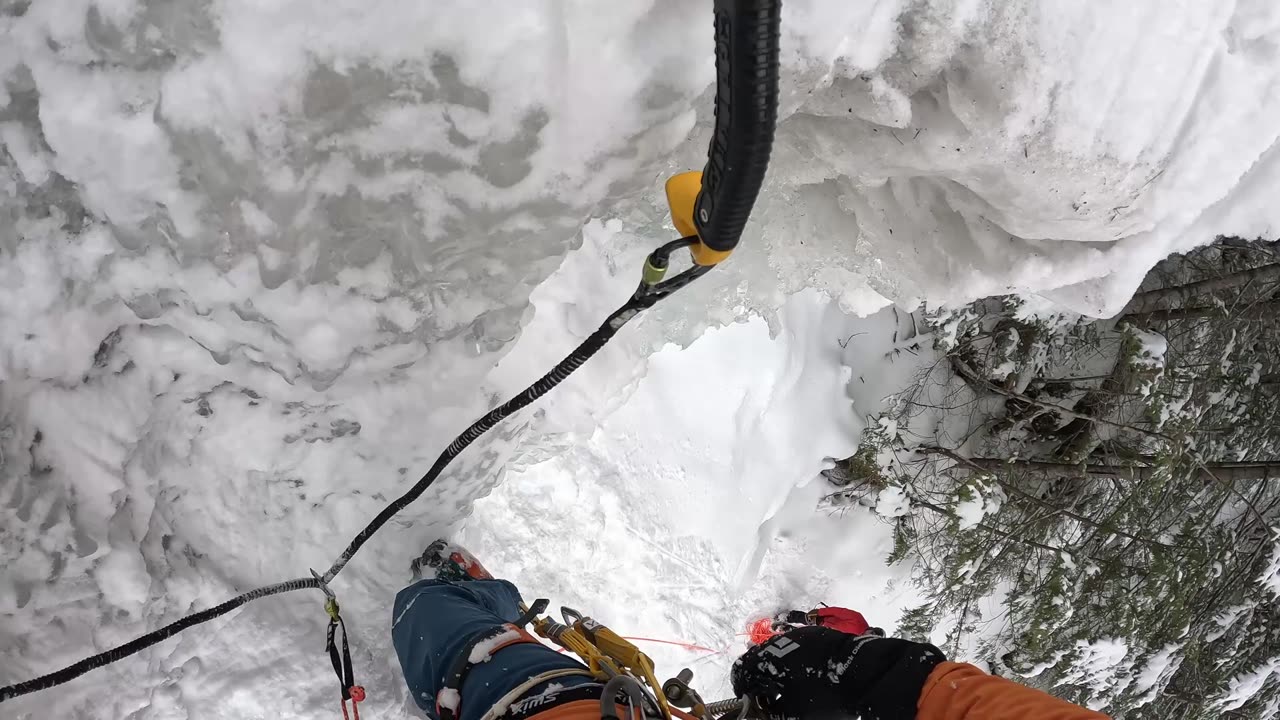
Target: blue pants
x,y
431,624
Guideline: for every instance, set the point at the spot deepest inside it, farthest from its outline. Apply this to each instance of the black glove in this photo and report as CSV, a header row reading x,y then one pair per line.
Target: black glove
x,y
815,672
791,617
798,617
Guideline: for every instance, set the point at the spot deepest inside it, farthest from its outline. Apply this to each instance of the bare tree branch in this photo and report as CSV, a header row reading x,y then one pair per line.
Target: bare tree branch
x,y
1105,527
1258,311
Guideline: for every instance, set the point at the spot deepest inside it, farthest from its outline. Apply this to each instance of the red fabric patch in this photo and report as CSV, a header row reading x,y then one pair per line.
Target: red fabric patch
x,y
843,619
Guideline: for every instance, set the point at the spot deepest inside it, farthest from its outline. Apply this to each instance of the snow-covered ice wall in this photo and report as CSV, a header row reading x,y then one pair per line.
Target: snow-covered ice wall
x,y
939,150
259,259
949,150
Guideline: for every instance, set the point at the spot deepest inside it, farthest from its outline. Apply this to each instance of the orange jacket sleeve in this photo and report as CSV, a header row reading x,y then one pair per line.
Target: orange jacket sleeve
x,y
959,691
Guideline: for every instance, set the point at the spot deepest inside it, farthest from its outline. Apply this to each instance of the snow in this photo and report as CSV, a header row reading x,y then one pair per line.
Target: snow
x,y
1152,348
449,699
483,651
893,502
1156,673
1254,375
692,532
1149,359
1270,578
970,512
1040,667
1243,687
261,261
1101,666
123,579
981,503
680,532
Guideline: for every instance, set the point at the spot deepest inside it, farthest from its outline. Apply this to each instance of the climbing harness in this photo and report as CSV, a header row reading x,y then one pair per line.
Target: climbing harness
x,y
627,673
607,654
449,698
709,209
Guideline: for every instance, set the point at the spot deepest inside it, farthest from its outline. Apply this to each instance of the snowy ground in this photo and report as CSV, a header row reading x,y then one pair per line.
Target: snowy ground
x,y
260,261
693,502
672,496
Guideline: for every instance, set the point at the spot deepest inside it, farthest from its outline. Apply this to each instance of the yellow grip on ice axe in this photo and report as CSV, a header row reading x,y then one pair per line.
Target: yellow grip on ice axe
x,y
682,196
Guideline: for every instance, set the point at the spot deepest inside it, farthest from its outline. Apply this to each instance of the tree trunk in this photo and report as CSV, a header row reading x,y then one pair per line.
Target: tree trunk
x,y
1146,301
1080,436
1226,471
1257,311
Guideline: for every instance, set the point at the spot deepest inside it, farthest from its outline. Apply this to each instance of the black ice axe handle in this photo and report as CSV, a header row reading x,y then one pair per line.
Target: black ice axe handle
x,y
746,112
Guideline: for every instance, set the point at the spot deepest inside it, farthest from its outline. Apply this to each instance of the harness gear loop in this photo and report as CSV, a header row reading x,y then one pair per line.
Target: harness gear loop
x,y
449,697
529,614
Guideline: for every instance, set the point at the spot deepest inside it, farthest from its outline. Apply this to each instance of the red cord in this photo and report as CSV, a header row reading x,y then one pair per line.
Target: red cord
x,y
685,645
677,643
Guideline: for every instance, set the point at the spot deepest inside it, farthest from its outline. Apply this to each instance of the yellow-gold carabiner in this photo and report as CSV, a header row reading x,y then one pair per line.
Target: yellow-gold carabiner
x,y
606,653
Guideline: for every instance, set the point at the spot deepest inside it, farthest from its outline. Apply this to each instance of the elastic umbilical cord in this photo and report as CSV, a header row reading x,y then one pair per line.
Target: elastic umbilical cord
x,y
644,297
73,671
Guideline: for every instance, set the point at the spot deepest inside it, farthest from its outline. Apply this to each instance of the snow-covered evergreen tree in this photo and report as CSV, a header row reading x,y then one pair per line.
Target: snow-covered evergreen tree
x,y
1102,520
